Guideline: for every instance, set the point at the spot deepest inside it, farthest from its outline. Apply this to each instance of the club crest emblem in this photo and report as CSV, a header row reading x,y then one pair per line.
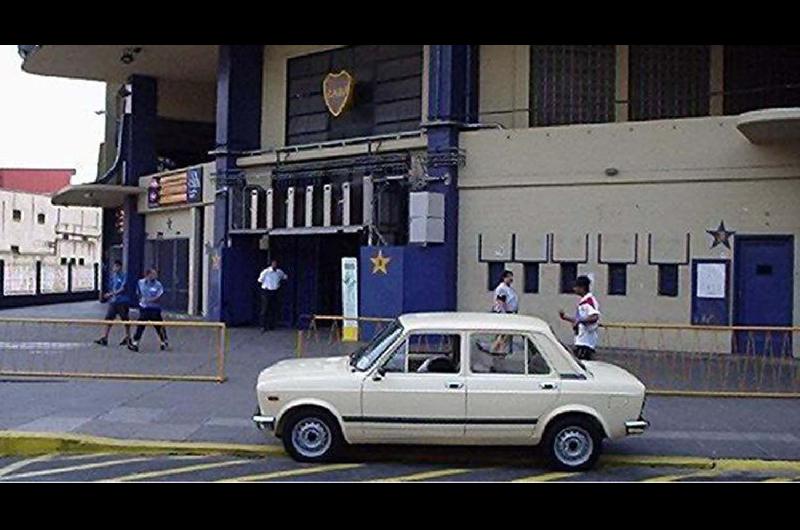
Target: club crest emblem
x,y
337,90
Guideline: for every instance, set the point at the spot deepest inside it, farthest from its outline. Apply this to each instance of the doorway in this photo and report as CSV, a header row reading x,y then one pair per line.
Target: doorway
x,y
763,289
171,258
313,264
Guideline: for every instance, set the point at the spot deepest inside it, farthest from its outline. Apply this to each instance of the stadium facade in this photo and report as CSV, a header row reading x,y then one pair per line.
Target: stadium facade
x,y
671,174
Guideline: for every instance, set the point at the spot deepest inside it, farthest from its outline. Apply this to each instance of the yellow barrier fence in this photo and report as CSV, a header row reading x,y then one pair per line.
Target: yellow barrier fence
x,y
66,348
670,359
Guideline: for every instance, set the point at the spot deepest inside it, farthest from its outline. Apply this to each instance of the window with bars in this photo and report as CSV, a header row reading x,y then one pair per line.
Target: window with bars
x,y
496,270
669,82
761,77
572,84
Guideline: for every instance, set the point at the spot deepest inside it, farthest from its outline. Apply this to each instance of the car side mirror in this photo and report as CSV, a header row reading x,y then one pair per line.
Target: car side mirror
x,y
379,374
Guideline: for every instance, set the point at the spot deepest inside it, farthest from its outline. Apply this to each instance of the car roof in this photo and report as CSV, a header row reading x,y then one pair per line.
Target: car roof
x,y
459,320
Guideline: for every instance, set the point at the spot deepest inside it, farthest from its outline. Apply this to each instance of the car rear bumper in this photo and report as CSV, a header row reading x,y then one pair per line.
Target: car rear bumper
x,y
264,422
636,426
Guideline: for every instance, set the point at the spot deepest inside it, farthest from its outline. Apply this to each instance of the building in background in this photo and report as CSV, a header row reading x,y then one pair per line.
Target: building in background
x,y
671,174
48,253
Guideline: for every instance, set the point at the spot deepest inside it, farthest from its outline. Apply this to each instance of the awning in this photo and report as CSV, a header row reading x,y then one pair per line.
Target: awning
x,y
770,126
97,195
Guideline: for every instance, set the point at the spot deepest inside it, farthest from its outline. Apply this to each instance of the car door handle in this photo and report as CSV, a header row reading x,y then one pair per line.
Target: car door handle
x,y
454,386
548,386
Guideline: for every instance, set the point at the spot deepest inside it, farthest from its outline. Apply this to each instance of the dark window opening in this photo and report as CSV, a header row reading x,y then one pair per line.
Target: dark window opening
x,y
668,280
669,82
572,84
16,215
387,93
761,77
496,269
40,218
617,279
63,261
531,271
15,249
569,273
81,261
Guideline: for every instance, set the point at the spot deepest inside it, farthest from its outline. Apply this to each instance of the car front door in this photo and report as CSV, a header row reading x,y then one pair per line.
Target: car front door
x,y
510,386
416,394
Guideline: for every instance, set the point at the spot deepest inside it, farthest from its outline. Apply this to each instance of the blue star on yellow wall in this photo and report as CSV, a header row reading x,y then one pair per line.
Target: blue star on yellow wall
x,y
721,236
380,263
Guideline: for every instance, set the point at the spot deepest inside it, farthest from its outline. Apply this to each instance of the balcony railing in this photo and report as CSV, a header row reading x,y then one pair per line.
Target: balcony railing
x,y
78,230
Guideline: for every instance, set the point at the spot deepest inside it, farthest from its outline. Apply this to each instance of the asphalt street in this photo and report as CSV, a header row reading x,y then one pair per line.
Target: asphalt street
x,y
133,468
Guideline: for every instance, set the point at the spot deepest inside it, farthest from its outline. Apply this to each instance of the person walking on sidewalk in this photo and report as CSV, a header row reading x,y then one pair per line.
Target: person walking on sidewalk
x,y
118,303
150,292
586,321
270,280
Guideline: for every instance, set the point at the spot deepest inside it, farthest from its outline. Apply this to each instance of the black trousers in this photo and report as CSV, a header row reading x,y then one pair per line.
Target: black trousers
x,y
150,314
269,309
584,353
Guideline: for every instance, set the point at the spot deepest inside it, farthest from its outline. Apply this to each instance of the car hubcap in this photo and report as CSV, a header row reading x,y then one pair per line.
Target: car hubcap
x,y
573,446
311,437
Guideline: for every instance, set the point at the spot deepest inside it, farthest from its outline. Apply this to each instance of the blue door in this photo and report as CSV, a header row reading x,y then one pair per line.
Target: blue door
x,y
763,292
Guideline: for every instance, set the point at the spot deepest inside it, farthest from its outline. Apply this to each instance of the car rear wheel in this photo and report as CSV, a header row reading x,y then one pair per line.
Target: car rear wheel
x,y
311,435
572,444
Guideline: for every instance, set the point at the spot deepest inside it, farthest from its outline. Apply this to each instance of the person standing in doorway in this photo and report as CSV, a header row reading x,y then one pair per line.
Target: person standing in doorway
x,y
270,280
118,303
505,295
586,321
150,292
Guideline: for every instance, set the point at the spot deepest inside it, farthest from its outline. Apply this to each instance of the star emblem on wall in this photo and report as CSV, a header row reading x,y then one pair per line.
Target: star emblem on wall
x,y
380,263
721,236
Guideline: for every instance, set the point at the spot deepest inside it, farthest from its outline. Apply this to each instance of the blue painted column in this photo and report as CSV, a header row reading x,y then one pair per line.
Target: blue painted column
x,y
139,157
234,261
452,101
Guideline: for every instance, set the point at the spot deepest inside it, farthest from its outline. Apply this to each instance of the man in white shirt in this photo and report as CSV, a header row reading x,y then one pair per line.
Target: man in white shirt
x,y
270,280
506,294
586,321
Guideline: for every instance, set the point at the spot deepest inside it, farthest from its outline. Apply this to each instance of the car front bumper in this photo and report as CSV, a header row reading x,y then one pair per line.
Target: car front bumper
x,y
636,426
264,422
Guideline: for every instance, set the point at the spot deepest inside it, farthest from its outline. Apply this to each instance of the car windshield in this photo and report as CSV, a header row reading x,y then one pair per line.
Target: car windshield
x,y
365,356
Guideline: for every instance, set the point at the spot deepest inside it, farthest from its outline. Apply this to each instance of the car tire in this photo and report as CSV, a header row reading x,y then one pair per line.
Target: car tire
x,y
312,435
572,443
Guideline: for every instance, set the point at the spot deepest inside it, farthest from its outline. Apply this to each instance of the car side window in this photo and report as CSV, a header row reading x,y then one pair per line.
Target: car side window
x,y
537,365
397,360
492,353
423,353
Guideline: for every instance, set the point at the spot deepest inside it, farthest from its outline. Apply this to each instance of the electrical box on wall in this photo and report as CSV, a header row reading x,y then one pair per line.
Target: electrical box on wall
x,y
426,217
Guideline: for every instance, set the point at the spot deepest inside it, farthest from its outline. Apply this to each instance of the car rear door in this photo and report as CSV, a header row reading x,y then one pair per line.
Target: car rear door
x,y
510,386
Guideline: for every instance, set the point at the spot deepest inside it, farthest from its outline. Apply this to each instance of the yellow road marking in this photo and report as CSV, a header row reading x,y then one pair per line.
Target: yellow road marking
x,y
174,471
546,477
292,472
22,463
677,478
424,475
72,468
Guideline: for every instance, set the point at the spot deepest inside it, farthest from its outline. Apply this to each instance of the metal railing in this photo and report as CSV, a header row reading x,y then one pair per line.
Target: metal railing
x,y
670,359
66,348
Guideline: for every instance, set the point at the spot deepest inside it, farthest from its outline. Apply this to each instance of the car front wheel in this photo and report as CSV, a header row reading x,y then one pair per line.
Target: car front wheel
x,y
312,436
572,444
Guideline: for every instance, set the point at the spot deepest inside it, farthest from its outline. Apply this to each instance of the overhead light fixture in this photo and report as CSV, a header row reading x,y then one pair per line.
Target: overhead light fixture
x,y
129,55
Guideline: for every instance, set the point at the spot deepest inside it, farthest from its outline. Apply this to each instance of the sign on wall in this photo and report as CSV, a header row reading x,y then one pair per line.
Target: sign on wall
x,y
350,298
176,189
338,90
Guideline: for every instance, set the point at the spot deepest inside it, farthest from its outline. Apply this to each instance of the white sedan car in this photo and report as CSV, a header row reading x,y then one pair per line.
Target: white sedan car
x,y
453,379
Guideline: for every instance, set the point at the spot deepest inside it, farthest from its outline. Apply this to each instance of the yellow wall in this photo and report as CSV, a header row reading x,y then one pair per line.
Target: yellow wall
x,y
675,177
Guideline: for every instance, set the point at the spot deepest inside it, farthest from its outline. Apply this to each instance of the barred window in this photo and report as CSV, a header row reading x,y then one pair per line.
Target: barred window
x,y
572,84
761,77
669,82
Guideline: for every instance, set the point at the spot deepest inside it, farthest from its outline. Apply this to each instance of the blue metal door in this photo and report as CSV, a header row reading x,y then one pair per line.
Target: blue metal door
x,y
764,292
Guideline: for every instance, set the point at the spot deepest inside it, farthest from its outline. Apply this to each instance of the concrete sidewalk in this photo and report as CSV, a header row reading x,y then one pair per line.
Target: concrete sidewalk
x,y
210,412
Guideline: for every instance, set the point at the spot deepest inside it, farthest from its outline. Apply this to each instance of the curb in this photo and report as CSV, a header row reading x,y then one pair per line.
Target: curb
x,y
15,443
